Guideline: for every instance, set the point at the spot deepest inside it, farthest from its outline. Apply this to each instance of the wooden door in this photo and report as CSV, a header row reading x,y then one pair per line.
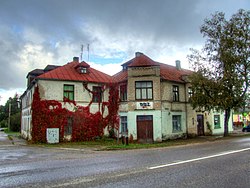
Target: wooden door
x,y
200,125
145,129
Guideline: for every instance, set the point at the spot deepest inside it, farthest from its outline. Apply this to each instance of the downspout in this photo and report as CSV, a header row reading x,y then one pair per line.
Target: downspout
x,y
186,108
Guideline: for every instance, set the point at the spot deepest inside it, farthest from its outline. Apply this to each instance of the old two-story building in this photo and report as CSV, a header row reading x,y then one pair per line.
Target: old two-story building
x,y
154,98
71,81
155,102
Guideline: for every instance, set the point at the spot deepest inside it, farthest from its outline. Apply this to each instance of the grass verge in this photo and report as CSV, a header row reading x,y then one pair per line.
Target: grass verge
x,y
111,144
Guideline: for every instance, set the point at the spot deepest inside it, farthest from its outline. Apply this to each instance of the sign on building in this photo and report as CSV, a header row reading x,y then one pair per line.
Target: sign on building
x,y
144,105
52,135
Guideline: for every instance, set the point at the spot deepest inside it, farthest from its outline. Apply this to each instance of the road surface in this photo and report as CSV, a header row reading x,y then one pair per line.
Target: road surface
x,y
223,163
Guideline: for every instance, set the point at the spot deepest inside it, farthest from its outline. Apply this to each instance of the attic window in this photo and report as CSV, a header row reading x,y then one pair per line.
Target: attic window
x,y
82,67
83,70
124,67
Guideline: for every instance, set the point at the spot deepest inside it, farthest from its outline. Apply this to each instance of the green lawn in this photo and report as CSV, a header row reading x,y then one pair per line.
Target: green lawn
x,y
111,144
11,133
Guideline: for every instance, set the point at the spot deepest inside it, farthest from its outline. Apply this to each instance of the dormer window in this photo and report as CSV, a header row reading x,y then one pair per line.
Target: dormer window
x,y
82,67
83,70
124,67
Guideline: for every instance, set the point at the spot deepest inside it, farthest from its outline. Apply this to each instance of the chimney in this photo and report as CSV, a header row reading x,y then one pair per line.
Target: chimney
x,y
76,59
137,54
178,64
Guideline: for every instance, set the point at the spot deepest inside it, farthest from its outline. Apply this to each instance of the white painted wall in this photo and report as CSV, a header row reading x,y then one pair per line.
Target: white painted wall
x,y
53,90
26,117
132,124
219,131
167,125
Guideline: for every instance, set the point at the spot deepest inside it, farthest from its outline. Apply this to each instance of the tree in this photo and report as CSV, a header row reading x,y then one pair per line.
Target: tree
x,y
221,69
15,117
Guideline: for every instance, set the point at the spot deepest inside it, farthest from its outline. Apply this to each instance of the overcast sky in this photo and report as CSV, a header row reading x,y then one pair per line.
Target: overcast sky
x,y
35,33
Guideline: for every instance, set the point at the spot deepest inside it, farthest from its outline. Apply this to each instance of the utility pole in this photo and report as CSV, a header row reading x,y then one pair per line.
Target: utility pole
x,y
9,116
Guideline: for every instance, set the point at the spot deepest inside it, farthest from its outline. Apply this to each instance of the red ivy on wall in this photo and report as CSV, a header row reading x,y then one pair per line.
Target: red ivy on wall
x,y
86,125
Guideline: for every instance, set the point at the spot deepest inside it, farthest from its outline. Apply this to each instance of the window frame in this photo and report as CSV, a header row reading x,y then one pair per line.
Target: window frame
x,y
68,92
190,93
176,93
68,128
217,126
144,90
123,92
124,124
97,95
175,126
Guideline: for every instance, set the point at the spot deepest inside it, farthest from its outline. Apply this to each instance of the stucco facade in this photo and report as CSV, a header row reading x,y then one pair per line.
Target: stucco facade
x,y
53,90
171,118
154,102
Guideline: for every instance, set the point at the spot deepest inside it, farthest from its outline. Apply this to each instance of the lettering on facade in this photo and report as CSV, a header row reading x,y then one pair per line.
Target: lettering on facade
x,y
144,105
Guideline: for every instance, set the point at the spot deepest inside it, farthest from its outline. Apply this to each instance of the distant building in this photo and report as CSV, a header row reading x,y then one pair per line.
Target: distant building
x,y
154,98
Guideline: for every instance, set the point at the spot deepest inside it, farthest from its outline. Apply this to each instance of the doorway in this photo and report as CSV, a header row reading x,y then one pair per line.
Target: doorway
x,y
145,128
200,125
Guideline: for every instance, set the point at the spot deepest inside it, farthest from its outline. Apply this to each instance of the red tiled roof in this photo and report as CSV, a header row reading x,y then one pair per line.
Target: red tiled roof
x,y
141,61
69,72
82,64
171,73
120,76
167,72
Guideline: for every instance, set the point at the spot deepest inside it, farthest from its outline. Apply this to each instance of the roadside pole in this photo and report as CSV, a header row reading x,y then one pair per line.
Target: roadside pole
x,y
9,117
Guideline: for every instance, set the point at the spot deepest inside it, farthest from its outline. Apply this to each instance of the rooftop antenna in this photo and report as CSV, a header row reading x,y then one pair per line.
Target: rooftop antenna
x,y
88,51
81,51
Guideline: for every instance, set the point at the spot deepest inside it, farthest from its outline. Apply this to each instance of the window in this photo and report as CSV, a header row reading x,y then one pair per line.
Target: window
x,y
68,126
145,118
175,93
123,92
97,94
124,124
217,121
83,70
176,120
190,93
68,92
144,90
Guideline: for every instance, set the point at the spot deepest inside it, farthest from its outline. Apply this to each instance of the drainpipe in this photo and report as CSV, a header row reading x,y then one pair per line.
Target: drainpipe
x,y
186,102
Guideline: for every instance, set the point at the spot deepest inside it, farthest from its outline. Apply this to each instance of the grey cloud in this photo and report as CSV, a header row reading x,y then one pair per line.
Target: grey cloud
x,y
152,26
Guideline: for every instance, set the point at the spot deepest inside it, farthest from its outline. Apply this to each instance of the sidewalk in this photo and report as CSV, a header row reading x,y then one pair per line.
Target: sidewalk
x,y
10,140
4,139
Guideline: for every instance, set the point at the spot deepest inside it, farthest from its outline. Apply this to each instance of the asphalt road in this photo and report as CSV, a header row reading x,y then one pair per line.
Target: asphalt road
x,y
212,164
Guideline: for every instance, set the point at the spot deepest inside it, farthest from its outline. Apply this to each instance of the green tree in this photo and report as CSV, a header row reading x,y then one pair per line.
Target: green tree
x,y
12,106
221,78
